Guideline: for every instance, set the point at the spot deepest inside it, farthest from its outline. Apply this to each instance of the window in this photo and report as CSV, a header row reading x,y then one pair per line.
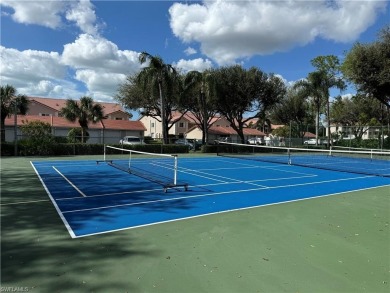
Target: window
x,y
181,124
152,124
118,118
44,114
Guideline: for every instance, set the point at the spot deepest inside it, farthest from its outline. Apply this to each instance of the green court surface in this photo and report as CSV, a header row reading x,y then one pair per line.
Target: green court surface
x,y
338,243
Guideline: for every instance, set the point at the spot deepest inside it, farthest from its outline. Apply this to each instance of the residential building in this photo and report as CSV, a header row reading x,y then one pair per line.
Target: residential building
x,y
110,130
178,126
52,107
186,126
346,132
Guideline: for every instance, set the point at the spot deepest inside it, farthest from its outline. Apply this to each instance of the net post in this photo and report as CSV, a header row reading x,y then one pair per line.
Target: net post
x,y
289,155
175,171
130,160
330,151
104,153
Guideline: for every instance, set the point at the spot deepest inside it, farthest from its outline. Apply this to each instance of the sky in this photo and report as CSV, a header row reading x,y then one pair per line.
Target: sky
x,y
70,49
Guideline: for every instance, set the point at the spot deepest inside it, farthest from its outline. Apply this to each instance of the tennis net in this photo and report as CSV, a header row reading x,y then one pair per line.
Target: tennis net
x,y
347,148
158,168
361,162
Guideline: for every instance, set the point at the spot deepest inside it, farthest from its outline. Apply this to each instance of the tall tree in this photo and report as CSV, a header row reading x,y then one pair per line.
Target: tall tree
x,y
311,88
11,103
85,111
165,78
245,94
329,67
357,113
368,67
200,96
293,108
318,85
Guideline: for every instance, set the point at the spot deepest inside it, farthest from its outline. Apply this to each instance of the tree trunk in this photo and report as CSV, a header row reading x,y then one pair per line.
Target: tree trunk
x,y
163,118
2,127
82,134
317,122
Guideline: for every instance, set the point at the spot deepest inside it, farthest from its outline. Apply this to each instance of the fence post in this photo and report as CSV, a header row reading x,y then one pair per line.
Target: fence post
x,y
15,130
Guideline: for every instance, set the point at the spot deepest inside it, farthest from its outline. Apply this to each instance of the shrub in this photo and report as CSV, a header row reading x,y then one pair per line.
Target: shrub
x,y
75,135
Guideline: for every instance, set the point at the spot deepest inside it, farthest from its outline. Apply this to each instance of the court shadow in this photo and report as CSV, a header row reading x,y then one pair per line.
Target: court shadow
x,y
37,253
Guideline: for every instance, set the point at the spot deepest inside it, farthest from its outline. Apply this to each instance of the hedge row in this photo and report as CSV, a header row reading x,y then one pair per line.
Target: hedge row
x,y
26,148
29,148
365,143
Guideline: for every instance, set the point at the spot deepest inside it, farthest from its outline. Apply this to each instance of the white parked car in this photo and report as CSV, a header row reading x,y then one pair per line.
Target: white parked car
x,y
186,142
131,140
311,141
255,140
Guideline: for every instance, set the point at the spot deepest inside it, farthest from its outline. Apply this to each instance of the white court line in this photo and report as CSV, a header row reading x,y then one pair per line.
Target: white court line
x,y
207,175
215,193
190,171
190,186
180,169
111,194
226,211
70,231
87,164
279,167
70,182
252,182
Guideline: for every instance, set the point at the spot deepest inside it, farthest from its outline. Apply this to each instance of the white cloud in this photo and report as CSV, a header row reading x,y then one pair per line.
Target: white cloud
x,y
52,14
231,30
96,62
46,86
99,64
29,64
83,15
101,84
198,64
190,51
50,88
45,13
35,73
98,53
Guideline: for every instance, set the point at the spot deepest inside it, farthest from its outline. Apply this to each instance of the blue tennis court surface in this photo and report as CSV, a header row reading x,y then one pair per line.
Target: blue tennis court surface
x,y
96,198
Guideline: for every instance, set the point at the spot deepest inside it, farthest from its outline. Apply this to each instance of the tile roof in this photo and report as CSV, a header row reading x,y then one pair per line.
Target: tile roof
x,y
192,118
253,131
58,104
231,131
252,121
61,122
187,116
276,126
124,125
309,135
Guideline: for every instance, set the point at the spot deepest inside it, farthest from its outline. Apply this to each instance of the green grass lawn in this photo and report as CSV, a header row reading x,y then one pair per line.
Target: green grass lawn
x,y
339,243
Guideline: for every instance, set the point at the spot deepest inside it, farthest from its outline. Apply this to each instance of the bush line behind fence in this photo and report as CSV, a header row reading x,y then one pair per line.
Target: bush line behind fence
x,y
67,149
34,148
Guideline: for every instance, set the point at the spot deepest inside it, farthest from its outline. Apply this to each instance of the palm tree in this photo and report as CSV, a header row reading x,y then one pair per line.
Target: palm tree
x,y
11,103
85,111
198,85
317,86
163,76
313,87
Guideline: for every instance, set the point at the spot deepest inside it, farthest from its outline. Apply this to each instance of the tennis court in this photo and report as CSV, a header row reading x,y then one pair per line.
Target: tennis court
x,y
95,198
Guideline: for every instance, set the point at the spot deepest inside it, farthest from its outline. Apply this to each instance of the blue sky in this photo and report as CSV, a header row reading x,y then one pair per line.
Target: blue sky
x,y
68,49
